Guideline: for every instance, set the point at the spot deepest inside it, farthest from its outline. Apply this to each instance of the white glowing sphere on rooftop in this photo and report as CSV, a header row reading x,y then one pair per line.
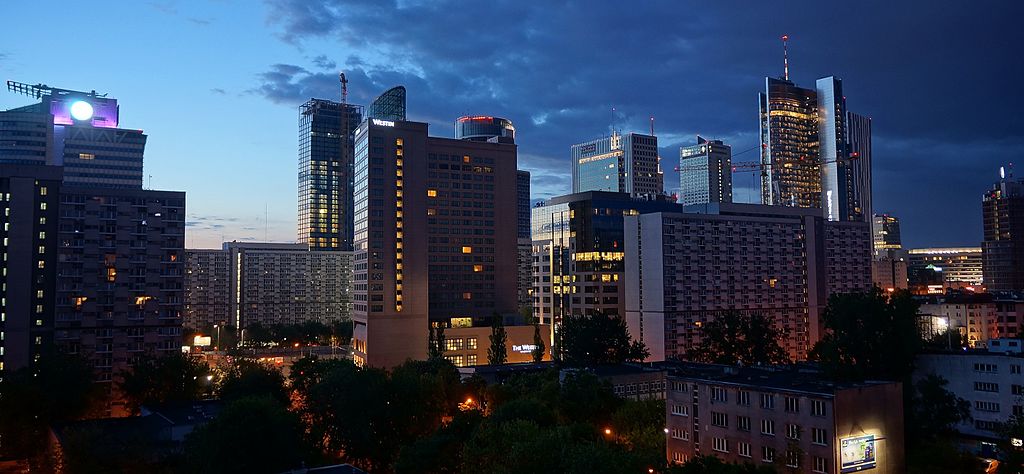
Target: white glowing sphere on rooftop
x,y
81,110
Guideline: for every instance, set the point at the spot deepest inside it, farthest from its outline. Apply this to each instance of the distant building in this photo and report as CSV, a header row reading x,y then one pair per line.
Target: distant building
x,y
1003,215
705,172
468,346
485,128
248,283
933,270
890,273
29,199
788,417
979,317
618,163
74,129
524,243
789,145
388,106
326,140
686,268
436,237
120,277
886,230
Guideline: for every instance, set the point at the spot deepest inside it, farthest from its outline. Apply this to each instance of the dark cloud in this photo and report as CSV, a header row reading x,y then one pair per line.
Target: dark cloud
x,y
323,62
218,91
938,79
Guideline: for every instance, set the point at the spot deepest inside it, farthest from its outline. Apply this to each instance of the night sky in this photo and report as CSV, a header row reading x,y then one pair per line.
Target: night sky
x,y
217,86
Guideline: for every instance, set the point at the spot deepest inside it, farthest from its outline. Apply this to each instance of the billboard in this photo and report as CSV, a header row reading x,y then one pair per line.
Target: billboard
x,y
201,341
857,453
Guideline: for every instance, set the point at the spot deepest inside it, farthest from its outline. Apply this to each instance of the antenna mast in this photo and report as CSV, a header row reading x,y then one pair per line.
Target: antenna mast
x,y
785,57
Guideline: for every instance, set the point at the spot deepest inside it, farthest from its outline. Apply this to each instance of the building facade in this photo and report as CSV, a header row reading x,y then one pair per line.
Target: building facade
x,y
1002,212
248,283
326,138
484,128
705,172
789,145
618,163
29,200
790,418
388,106
886,230
933,270
468,346
120,277
772,260
436,237
523,241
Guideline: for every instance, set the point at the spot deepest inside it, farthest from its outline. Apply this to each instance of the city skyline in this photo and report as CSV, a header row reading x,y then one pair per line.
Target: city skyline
x,y
239,128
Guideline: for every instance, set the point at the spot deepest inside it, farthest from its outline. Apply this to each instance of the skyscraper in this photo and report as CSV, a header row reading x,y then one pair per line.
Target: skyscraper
x,y
618,163
79,132
326,138
436,237
484,128
791,171
524,243
886,230
705,172
845,151
1002,211
388,106
859,203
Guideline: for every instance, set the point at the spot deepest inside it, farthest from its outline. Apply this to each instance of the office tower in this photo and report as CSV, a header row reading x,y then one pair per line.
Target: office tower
x,y
119,277
791,173
933,270
782,262
578,247
793,416
326,138
29,199
705,172
388,106
435,238
886,231
246,283
1002,211
859,204
618,163
84,137
484,128
833,151
524,243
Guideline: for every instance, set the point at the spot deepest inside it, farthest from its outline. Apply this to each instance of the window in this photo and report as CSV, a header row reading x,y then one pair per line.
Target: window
x,y
719,419
471,359
792,405
1014,368
453,344
986,387
678,458
680,410
768,427
743,449
718,394
986,368
767,401
467,249
819,465
793,431
431,193
986,425
678,386
1017,389
818,436
768,454
986,406
720,444
743,398
793,458
743,423
680,434
817,407
471,343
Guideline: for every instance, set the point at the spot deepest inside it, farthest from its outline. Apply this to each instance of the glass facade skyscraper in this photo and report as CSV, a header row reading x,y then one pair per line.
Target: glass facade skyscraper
x,y
618,163
1002,211
325,173
705,172
791,173
388,106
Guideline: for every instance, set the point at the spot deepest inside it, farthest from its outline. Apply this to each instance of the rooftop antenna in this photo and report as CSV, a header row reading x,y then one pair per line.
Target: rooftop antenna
x,y
652,125
785,57
150,181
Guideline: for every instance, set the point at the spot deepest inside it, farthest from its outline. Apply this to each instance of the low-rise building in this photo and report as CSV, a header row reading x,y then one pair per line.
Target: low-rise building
x,y
787,417
468,346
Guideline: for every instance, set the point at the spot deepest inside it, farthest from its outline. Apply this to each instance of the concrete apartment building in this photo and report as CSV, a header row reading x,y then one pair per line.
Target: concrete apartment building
x,y
979,317
248,283
790,418
780,261
435,237
1002,210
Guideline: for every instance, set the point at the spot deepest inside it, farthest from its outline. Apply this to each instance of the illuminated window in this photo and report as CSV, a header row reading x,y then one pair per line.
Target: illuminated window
x,y
465,159
111,274
86,156
467,296
42,190
467,249
478,268
471,343
431,193
79,301
399,142
431,212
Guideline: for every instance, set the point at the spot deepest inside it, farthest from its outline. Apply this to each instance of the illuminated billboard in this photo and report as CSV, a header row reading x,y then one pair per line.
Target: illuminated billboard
x,y
201,341
857,453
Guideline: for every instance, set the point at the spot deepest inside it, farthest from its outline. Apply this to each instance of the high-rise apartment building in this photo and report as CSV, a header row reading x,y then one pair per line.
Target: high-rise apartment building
x,y
436,237
789,145
524,243
248,283
686,268
74,129
120,265
326,140
618,163
29,199
705,172
1002,210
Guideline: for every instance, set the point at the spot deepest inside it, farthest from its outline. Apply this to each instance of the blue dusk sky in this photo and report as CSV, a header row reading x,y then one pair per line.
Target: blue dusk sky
x,y
217,84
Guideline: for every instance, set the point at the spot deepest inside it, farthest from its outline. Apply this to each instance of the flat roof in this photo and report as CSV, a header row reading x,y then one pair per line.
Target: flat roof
x,y
802,378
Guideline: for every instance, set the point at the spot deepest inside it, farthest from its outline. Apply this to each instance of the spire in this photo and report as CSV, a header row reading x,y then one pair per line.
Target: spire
x,y
785,57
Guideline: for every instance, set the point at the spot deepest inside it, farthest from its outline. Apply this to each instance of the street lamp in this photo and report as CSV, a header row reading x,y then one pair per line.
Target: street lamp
x,y
217,327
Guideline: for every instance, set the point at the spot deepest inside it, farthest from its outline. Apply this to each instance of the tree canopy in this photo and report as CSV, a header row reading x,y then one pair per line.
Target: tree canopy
x,y
597,339
733,338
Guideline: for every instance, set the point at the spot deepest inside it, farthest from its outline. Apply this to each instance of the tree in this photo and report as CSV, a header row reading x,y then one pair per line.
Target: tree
x,y
497,354
708,464
538,344
1012,456
869,336
733,338
252,434
598,339
934,411
165,379
252,379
